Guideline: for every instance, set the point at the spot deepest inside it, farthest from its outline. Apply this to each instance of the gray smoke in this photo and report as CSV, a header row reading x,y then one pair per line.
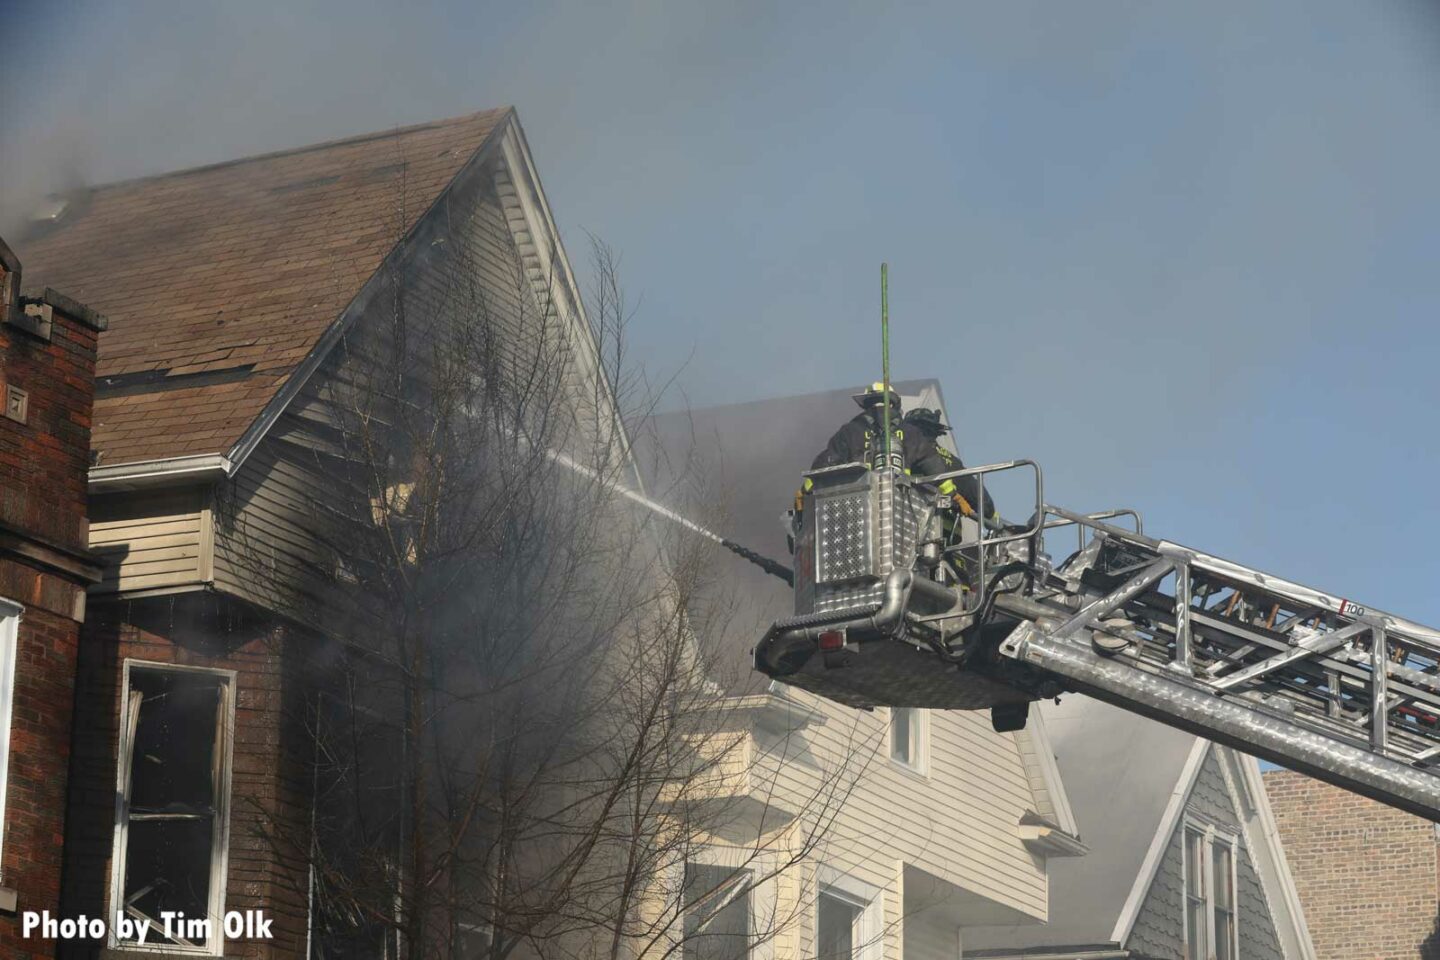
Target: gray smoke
x,y
1172,252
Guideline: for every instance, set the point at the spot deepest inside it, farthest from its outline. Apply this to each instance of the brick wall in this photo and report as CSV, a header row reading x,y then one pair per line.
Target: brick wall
x,y
39,756
45,460
1365,872
43,567
269,811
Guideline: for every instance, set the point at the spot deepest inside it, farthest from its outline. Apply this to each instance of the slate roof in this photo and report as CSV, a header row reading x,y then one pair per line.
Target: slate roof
x,y
219,281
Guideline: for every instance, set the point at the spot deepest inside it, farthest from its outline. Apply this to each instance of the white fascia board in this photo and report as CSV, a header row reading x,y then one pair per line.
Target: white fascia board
x,y
1050,777
147,473
1267,852
1174,810
553,263
774,709
1049,841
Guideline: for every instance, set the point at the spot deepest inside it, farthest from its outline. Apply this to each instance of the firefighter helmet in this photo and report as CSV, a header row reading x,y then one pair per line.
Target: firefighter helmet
x,y
875,394
928,420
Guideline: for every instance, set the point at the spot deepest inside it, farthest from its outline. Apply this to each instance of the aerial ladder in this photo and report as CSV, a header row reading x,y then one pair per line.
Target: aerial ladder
x,y
897,605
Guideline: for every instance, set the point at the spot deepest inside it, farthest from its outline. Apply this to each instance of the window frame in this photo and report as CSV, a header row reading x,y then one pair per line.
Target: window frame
x,y
868,925
919,760
11,613
220,839
1227,844
764,903
478,929
1210,837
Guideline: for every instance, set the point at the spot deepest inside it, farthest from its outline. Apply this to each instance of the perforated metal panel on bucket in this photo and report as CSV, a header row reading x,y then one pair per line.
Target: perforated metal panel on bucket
x,y
845,537
858,526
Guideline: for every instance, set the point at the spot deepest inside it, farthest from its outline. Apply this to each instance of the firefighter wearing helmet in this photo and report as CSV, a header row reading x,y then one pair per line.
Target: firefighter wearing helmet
x,y
862,439
925,457
914,446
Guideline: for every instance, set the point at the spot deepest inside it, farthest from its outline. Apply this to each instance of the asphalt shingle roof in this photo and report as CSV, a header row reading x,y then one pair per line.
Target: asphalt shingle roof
x,y
218,281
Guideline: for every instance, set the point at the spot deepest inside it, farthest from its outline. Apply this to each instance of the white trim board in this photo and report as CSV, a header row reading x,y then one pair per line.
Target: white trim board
x,y
1174,810
220,840
869,933
10,615
1267,853
1043,750
143,473
546,257
1247,793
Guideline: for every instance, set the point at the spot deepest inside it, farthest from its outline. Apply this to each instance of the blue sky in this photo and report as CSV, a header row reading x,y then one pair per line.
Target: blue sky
x,y
1183,255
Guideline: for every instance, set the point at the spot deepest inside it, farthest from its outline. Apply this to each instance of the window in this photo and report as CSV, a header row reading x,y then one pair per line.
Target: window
x,y
9,628
717,912
1211,931
174,790
1222,858
837,926
472,941
908,735
847,917
1196,922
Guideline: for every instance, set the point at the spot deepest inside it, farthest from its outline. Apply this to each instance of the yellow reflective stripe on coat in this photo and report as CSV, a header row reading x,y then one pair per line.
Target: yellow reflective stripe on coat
x,y
947,487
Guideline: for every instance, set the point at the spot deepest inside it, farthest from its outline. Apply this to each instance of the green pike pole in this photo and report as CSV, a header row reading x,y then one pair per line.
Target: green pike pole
x,y
885,351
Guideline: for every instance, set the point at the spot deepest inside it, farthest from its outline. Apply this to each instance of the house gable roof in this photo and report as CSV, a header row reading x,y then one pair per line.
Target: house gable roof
x,y
1130,780
1121,773
220,281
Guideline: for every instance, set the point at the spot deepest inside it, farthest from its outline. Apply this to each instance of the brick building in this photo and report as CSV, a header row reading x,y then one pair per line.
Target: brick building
x,y
1366,873
47,367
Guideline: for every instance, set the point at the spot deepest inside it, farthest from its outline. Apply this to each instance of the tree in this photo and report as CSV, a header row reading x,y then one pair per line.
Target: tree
x,y
518,741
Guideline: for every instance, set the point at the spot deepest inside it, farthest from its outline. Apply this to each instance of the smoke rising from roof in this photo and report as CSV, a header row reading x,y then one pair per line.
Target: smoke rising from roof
x,y
1173,253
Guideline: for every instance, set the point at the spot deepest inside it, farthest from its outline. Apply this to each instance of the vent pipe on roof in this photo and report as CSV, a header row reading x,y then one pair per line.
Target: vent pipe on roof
x,y
51,210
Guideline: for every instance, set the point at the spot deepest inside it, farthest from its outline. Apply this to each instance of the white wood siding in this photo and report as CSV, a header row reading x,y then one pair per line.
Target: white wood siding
x,y
957,824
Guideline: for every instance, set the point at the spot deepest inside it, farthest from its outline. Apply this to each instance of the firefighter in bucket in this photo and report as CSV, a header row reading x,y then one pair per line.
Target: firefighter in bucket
x,y
915,449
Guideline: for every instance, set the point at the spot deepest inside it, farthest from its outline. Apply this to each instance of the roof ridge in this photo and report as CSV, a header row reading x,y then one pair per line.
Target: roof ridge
x,y
497,112
286,269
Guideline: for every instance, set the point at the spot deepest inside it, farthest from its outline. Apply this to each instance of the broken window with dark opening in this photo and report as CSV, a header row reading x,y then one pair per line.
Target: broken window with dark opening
x,y
174,761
